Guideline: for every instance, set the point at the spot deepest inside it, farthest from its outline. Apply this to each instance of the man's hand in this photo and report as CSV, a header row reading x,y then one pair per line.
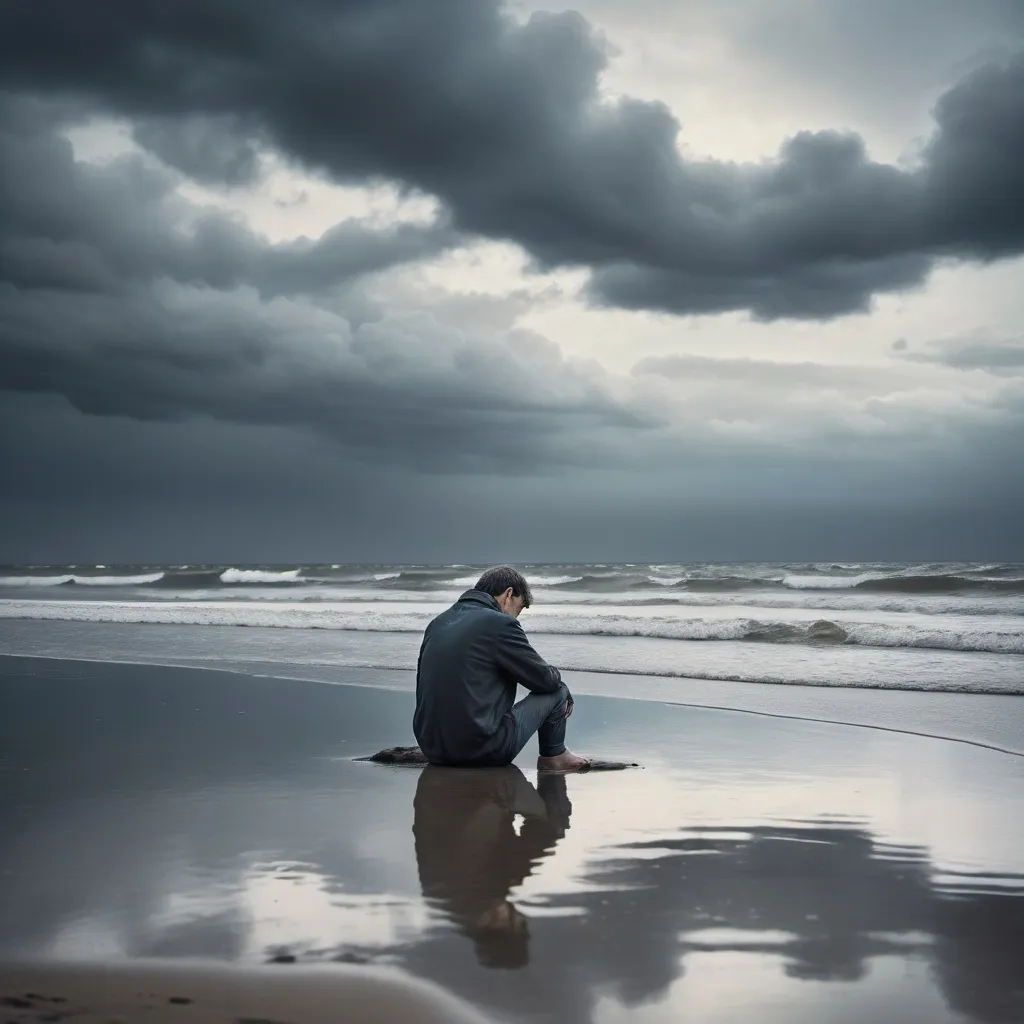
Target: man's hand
x,y
568,707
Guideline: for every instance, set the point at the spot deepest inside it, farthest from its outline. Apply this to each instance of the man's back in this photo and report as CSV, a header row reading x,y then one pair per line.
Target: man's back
x,y
472,657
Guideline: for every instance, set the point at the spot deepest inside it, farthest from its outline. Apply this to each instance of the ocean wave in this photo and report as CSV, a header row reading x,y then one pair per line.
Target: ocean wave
x,y
263,576
116,581
943,584
558,583
724,584
72,579
938,583
820,632
35,581
533,579
189,579
597,583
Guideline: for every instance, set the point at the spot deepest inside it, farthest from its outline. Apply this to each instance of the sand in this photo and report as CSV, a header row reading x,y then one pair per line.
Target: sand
x,y
215,832
162,993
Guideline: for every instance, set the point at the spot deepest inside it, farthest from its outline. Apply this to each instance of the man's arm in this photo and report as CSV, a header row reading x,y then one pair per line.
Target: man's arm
x,y
522,663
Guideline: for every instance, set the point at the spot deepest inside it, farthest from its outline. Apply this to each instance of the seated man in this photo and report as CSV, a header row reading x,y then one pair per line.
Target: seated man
x,y
472,657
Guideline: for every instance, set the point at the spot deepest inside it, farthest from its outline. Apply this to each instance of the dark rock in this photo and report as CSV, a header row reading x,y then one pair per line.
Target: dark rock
x,y
397,755
350,958
414,756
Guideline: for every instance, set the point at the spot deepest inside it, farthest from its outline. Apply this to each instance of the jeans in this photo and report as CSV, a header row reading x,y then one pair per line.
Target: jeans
x,y
541,713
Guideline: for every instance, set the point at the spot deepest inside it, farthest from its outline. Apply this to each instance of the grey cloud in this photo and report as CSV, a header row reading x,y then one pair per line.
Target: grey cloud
x,y
111,489
502,122
211,150
71,225
129,301
765,373
997,357
401,389
77,227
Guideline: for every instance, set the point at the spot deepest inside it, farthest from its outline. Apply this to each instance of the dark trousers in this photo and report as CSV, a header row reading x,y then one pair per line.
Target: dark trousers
x,y
541,713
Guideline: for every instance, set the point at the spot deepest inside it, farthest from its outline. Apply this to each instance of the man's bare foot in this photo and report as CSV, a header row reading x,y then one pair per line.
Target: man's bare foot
x,y
566,761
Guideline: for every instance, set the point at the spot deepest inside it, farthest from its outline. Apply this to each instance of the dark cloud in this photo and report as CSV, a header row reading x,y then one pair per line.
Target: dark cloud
x,y
129,301
210,150
167,370
78,228
407,391
112,489
502,121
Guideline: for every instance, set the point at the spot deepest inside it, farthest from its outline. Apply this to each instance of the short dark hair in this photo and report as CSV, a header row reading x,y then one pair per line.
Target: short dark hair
x,y
497,580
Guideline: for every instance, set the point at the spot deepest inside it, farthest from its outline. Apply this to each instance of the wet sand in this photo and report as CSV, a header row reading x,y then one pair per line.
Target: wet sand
x,y
755,869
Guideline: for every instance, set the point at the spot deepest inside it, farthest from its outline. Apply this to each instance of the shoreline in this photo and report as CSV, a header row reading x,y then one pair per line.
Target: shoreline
x,y
1007,709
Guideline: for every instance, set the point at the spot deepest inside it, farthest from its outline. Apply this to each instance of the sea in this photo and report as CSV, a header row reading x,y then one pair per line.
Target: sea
x,y
951,627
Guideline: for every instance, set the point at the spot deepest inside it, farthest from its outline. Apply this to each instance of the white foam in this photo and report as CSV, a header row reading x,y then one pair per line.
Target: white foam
x,y
118,581
996,636
828,582
535,581
258,576
85,581
34,581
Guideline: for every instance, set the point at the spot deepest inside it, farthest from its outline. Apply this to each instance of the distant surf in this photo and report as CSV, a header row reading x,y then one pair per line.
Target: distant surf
x,y
706,620
990,578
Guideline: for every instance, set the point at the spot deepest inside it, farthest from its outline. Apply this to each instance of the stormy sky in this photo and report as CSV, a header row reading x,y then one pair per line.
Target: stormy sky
x,y
457,280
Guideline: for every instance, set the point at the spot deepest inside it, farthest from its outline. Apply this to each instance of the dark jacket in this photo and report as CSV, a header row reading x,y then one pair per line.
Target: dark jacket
x,y
471,659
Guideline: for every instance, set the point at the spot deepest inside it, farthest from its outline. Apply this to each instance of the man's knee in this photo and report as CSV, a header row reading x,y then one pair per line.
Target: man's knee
x,y
560,698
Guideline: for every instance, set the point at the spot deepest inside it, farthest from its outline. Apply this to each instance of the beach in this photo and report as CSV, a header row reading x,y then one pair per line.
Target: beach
x,y
755,867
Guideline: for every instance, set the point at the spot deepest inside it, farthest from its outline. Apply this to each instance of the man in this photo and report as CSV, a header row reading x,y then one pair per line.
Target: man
x,y
471,660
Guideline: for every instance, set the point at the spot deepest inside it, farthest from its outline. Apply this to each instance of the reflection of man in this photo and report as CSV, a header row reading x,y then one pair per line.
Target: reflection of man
x,y
470,856
472,658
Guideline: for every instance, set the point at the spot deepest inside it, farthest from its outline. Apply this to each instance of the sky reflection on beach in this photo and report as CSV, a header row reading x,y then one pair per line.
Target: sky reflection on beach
x,y
818,870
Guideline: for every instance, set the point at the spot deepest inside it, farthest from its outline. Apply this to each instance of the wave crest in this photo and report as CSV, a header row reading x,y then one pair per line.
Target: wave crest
x,y
820,632
264,576
73,579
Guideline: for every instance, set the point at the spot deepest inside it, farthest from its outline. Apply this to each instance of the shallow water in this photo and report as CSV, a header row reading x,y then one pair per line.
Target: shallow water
x,y
756,868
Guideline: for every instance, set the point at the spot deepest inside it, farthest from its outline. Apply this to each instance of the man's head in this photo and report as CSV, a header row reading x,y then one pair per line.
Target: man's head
x,y
508,587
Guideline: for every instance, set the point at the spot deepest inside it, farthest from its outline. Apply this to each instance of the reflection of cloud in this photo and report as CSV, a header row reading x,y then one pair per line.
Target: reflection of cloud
x,y
220,936
233,835
824,899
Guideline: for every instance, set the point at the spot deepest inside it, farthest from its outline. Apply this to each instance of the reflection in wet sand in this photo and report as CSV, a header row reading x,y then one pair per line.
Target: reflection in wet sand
x,y
470,855
823,901
168,813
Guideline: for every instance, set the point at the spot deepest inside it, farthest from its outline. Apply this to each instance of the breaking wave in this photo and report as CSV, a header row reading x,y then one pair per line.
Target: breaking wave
x,y
593,582
820,632
939,583
260,576
69,579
